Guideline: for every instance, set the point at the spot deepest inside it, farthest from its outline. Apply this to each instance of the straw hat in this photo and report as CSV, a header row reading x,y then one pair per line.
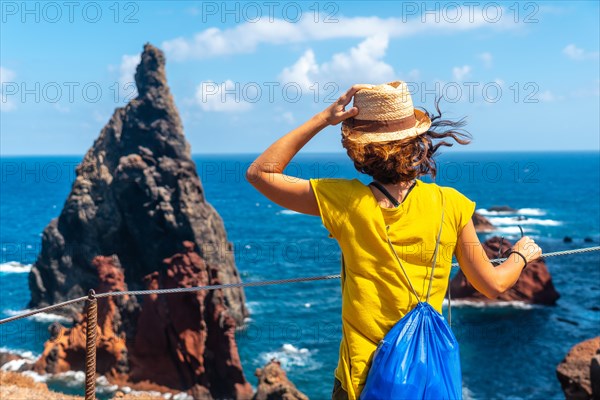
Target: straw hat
x,y
385,112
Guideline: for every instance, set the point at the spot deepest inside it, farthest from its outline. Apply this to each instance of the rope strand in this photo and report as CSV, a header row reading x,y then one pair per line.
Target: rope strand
x,y
241,284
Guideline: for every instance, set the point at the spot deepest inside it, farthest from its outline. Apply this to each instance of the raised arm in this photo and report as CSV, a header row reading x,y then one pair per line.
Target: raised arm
x,y
266,172
489,280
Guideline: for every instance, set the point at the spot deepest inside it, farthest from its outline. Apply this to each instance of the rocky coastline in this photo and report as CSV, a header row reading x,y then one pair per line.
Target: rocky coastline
x,y
137,218
534,286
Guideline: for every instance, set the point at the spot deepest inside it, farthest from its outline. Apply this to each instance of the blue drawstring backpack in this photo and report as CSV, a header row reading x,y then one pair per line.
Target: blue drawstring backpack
x,y
419,357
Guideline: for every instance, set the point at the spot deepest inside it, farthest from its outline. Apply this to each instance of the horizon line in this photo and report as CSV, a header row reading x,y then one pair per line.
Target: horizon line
x,y
461,151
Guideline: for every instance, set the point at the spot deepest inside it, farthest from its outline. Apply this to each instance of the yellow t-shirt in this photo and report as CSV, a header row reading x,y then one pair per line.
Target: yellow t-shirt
x,y
375,293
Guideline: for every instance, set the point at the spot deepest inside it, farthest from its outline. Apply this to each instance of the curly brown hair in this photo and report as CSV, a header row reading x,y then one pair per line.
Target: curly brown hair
x,y
406,159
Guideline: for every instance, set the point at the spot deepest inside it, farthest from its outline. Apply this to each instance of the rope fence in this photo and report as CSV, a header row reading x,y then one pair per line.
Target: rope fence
x,y
90,346
241,284
92,307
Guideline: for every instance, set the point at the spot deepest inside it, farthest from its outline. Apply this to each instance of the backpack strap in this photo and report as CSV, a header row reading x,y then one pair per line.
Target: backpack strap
x,y
449,303
437,243
435,253
401,266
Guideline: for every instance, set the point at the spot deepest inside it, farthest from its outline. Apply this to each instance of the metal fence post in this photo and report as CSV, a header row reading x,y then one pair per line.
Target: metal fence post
x,y
90,346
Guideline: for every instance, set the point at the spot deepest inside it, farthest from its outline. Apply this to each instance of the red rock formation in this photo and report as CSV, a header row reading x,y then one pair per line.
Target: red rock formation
x,y
188,339
179,342
534,285
482,224
65,350
274,384
575,371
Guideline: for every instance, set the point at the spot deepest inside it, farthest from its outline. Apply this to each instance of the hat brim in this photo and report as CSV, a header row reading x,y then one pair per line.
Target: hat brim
x,y
422,125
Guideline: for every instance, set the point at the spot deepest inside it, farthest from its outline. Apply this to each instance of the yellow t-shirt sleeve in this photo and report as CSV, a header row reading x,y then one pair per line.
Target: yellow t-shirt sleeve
x,y
463,208
331,197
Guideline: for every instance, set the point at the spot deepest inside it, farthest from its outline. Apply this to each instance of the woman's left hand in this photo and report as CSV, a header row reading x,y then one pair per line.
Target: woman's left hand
x,y
335,113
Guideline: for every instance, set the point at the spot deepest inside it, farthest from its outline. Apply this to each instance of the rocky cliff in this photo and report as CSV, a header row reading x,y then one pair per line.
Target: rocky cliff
x,y
274,384
579,372
482,224
534,286
180,342
136,197
137,218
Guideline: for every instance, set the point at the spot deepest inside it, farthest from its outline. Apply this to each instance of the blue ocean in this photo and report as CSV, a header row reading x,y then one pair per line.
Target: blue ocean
x,y
507,352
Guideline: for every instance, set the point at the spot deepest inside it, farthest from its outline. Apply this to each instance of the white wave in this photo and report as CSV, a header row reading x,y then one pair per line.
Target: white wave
x,y
467,394
254,307
21,353
15,365
484,212
29,373
290,356
531,211
536,212
509,230
35,376
41,317
182,396
528,221
518,304
288,212
14,267
103,386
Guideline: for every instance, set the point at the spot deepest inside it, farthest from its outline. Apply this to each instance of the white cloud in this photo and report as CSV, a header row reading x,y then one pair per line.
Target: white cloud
x,y
126,70
460,73
486,58
129,63
361,64
591,90
223,97
6,76
547,97
287,117
578,54
62,109
413,75
193,11
303,71
100,118
246,37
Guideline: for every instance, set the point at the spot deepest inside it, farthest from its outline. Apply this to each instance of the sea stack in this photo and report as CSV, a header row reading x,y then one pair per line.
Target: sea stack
x,y
136,198
137,218
481,223
534,285
579,371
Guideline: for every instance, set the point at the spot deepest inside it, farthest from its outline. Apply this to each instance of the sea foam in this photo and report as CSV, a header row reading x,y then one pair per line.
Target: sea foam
x,y
13,267
41,317
76,379
291,357
517,304
534,212
528,221
288,212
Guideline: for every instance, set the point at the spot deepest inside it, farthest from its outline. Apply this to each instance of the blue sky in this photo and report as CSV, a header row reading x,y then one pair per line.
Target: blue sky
x,y
526,75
